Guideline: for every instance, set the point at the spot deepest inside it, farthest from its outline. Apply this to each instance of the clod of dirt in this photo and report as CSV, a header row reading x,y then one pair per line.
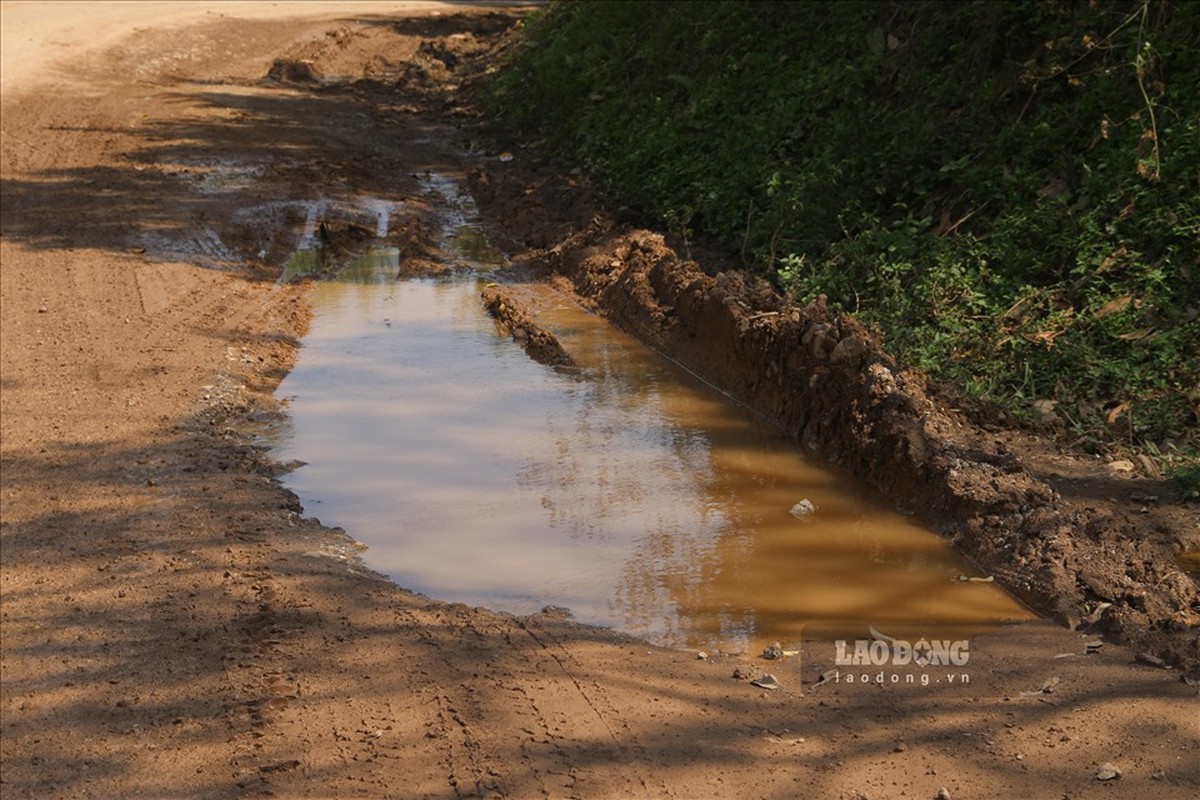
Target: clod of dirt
x,y
289,71
541,345
345,237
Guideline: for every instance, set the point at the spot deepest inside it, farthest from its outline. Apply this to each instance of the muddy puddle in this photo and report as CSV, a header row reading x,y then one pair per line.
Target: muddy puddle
x,y
630,493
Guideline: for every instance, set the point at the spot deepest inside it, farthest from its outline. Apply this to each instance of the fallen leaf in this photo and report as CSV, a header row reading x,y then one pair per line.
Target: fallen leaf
x,y
1117,411
1113,306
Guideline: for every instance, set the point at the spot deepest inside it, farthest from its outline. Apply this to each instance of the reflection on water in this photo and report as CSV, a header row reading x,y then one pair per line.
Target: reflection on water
x,y
630,494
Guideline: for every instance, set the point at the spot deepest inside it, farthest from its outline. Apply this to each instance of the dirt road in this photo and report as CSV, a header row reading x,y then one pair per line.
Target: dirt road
x,y
174,626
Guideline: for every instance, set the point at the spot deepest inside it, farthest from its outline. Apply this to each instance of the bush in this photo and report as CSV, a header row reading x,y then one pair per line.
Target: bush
x,y
1009,190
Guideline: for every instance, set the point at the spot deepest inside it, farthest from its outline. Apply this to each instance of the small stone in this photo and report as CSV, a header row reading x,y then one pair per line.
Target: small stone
x,y
701,655
1152,660
767,681
803,509
1045,411
828,676
942,794
1108,772
900,747
773,652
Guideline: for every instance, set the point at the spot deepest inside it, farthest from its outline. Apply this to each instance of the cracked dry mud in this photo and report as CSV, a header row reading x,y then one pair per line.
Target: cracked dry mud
x,y
174,626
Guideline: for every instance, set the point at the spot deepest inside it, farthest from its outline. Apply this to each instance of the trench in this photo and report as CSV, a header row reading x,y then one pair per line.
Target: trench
x,y
628,492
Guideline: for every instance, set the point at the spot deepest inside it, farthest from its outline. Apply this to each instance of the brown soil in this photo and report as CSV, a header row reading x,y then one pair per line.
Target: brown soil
x,y
515,321
173,626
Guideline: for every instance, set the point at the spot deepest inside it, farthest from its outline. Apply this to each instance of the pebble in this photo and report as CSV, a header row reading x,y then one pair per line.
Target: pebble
x,y
1152,660
1108,771
942,794
775,651
767,681
803,509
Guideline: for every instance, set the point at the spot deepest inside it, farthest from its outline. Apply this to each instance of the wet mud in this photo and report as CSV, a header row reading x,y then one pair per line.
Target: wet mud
x,y
541,345
830,383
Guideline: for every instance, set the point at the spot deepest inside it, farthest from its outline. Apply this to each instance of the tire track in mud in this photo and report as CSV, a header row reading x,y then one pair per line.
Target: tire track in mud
x,y
628,749
566,732
495,711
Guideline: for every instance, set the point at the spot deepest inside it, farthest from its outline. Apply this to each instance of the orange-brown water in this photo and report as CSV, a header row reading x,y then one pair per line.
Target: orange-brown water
x,y
631,494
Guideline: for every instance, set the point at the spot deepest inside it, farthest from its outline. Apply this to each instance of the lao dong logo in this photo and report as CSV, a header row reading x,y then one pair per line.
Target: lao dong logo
x,y
886,651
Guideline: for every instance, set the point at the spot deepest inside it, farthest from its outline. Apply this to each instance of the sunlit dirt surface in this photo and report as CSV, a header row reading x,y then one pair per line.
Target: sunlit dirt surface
x,y
174,624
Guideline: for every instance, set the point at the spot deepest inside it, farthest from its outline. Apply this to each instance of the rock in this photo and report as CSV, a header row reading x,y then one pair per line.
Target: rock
x,y
774,652
1045,411
1108,771
804,509
828,676
942,794
767,681
1047,687
1152,660
701,655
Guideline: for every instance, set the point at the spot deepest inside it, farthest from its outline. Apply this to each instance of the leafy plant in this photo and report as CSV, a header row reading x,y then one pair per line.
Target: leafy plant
x,y
1009,190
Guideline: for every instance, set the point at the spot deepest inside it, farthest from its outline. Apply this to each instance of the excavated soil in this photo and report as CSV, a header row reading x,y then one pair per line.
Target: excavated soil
x,y
174,625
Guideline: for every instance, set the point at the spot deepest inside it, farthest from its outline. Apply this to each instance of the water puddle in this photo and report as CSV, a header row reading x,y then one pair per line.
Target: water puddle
x,y
631,493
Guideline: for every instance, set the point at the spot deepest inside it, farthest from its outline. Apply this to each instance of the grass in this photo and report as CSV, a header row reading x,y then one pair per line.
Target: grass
x,y
1010,191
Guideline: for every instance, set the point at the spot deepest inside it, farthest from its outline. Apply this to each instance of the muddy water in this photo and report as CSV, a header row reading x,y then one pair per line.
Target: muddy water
x,y
631,494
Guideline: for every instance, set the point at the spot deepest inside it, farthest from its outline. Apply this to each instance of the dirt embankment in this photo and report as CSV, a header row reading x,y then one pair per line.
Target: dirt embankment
x,y
173,625
1101,564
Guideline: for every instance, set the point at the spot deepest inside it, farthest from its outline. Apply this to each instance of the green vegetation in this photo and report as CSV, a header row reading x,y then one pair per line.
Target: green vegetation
x,y
1010,191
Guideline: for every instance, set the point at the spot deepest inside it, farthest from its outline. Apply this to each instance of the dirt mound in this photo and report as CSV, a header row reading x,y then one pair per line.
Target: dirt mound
x,y
541,345
829,383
